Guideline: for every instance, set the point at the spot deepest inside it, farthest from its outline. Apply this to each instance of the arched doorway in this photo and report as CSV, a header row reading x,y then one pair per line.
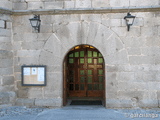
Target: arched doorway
x,y
84,74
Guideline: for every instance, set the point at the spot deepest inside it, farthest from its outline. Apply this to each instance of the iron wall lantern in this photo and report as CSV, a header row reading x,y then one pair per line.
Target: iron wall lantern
x,y
129,20
35,22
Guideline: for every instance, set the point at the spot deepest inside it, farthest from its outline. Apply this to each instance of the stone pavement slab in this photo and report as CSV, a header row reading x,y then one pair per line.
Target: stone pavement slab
x,y
82,113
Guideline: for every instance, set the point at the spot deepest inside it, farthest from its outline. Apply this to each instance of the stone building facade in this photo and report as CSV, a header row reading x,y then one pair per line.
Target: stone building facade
x,y
131,58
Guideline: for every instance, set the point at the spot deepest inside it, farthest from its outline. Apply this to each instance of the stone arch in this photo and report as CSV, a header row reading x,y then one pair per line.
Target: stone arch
x,y
77,33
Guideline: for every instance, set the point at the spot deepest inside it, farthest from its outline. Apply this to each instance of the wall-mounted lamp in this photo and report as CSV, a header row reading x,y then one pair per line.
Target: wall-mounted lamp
x,y
129,20
35,22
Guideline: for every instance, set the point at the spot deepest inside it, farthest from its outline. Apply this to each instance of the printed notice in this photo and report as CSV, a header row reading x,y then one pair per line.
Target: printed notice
x,y
34,71
26,71
40,74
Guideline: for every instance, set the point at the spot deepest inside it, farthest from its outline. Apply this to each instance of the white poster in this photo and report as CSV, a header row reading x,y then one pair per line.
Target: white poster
x,y
34,71
40,74
26,71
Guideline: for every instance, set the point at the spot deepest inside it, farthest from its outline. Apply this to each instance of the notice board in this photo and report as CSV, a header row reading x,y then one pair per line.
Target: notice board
x,y
33,75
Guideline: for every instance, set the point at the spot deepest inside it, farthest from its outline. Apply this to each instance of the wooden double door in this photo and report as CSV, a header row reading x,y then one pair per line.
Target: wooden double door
x,y
85,72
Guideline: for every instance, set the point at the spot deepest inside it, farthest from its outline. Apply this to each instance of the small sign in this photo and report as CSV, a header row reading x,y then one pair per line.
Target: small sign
x,y
33,75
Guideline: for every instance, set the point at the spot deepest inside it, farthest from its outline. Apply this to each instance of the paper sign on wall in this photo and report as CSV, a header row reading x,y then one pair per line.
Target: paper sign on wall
x,y
34,75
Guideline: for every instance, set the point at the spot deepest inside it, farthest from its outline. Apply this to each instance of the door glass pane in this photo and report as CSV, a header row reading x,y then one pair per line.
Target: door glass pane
x,y
71,87
89,79
96,87
89,53
71,79
89,60
81,53
82,87
99,55
77,87
100,78
81,60
71,55
100,87
71,60
89,72
81,72
76,54
100,60
82,79
89,86
100,72
94,54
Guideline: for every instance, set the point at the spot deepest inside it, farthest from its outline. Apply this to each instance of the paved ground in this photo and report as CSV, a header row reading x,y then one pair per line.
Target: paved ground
x,y
77,113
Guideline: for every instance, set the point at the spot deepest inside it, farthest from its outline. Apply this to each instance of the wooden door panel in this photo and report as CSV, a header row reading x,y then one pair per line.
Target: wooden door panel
x,y
85,68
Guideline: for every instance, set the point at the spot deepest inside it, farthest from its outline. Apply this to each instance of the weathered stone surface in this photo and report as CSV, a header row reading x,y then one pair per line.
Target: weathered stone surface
x,y
53,5
100,3
7,98
114,103
24,102
137,60
8,80
55,102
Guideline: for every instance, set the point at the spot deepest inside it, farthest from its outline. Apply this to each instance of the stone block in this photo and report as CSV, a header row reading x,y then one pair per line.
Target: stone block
x,y
7,97
150,51
19,6
8,80
9,25
25,102
29,60
5,39
125,76
147,103
27,37
112,68
54,102
43,36
120,31
83,4
33,45
100,3
142,3
137,60
114,103
46,28
127,94
2,24
28,53
6,4
149,31
35,93
89,17
153,41
6,46
119,3
117,58
22,93
16,45
133,42
6,71
35,5
134,51
5,32
69,4
6,63
54,5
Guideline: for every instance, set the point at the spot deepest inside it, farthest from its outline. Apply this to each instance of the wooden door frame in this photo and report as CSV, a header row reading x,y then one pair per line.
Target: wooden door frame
x,y
65,78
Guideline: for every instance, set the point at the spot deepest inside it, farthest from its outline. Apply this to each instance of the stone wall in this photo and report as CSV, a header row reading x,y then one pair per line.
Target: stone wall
x,y
6,4
7,94
62,4
131,58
